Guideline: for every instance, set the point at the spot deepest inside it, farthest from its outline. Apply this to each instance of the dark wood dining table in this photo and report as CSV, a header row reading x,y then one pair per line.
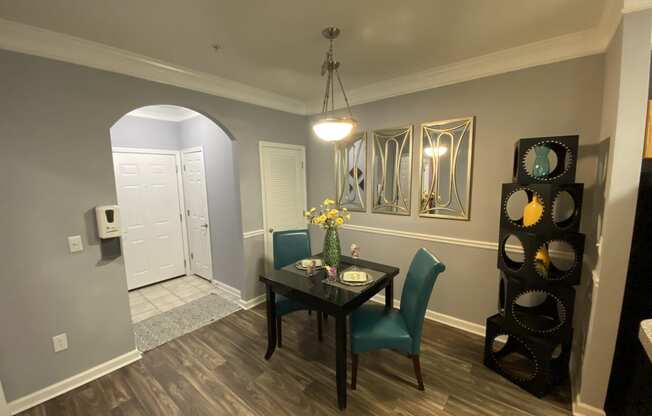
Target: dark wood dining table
x,y
336,301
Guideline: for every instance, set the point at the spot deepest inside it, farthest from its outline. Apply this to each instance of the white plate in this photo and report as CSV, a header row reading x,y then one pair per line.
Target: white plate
x,y
355,277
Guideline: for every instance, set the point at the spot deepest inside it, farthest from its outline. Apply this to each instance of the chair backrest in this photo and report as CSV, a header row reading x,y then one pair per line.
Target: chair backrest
x,y
418,286
290,246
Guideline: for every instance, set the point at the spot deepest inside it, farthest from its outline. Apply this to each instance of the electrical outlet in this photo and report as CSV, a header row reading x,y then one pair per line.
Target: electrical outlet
x,y
60,342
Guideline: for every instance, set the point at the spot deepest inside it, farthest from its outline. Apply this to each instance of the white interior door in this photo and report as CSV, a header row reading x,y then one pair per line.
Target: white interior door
x,y
149,200
283,178
196,199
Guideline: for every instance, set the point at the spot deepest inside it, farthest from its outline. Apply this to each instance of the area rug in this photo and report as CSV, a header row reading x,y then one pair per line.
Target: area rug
x,y
157,330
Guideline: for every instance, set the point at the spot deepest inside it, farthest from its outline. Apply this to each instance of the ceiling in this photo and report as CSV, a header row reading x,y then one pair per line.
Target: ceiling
x,y
164,112
277,46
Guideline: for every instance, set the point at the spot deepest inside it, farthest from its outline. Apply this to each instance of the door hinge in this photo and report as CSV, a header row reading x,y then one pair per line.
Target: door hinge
x,y
185,263
188,212
181,217
176,168
184,168
302,165
192,256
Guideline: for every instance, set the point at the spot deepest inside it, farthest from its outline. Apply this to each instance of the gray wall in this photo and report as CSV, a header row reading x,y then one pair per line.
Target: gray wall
x,y
627,71
562,98
223,196
146,133
57,150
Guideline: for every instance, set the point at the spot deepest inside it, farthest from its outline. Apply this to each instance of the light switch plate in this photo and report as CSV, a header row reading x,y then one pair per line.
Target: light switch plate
x,y
60,342
75,244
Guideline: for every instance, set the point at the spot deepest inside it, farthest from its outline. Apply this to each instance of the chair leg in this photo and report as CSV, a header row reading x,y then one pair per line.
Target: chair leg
x,y
354,370
319,325
279,336
417,371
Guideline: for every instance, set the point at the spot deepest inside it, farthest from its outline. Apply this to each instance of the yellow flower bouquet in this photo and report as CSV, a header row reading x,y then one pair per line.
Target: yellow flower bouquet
x,y
328,215
329,218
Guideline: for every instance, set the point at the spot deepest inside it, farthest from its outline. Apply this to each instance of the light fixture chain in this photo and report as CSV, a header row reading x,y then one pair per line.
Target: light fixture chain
x,y
346,99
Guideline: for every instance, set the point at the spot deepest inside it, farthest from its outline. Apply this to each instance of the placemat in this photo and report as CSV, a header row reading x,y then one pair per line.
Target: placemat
x,y
375,275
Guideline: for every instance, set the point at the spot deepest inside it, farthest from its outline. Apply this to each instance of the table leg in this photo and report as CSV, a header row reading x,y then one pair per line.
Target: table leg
x,y
340,360
271,322
389,295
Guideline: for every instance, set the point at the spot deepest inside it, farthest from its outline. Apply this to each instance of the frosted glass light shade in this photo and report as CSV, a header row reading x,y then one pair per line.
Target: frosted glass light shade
x,y
333,129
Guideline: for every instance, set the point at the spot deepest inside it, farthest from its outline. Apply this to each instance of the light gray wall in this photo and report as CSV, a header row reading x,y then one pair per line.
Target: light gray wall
x,y
627,69
563,98
57,152
146,133
223,196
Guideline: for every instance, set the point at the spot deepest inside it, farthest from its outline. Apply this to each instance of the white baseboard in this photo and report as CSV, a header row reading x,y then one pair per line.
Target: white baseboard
x,y
244,304
73,382
4,408
583,409
431,315
248,304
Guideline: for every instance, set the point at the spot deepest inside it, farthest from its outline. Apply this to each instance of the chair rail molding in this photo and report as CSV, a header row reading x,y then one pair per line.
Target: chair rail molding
x,y
33,40
631,6
253,233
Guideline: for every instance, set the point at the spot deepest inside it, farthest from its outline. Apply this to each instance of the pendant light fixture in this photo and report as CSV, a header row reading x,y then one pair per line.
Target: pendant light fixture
x,y
329,127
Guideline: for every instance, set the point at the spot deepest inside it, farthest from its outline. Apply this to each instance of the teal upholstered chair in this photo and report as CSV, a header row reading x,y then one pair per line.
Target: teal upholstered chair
x,y
289,247
374,327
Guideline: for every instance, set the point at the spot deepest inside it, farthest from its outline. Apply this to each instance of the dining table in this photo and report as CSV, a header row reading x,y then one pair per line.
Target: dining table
x,y
330,296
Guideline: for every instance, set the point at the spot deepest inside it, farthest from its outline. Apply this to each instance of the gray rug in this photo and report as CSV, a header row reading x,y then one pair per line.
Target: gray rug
x,y
157,330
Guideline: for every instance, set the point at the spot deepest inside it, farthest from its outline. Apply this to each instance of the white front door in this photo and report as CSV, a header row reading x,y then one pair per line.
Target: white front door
x,y
199,232
283,178
149,200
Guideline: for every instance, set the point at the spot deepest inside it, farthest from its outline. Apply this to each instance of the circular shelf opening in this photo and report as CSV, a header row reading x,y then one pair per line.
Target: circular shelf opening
x,y
513,252
515,208
564,210
538,311
562,260
514,357
547,160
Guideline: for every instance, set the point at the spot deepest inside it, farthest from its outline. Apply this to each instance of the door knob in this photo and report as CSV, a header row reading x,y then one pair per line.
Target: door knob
x,y
271,230
205,225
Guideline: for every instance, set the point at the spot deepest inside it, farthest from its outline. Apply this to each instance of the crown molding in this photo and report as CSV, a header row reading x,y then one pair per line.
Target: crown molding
x,y
631,6
561,48
37,41
33,40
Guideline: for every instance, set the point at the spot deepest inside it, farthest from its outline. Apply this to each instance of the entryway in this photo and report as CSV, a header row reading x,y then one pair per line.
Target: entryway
x,y
163,156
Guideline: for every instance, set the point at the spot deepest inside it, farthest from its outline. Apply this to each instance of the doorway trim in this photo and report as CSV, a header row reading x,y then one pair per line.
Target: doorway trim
x,y
183,151
182,203
261,145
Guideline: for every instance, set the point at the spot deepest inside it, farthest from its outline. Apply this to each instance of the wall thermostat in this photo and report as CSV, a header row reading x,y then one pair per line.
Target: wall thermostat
x,y
108,221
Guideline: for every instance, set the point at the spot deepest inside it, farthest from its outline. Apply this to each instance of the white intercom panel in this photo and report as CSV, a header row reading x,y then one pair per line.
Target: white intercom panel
x,y
108,221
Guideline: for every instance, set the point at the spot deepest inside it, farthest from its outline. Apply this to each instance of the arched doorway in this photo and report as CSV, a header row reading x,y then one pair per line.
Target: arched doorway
x,y
178,199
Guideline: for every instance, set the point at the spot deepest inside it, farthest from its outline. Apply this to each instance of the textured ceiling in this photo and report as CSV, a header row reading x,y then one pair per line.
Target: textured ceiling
x,y
277,45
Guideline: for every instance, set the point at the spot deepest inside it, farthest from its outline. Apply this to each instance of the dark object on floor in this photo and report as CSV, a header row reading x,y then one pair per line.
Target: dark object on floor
x,y
624,395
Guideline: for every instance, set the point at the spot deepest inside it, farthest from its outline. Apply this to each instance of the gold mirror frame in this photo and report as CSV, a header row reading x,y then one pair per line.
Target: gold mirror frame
x,y
448,203
389,196
347,153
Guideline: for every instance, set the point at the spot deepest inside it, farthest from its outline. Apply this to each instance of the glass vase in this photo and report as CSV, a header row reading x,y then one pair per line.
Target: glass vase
x,y
332,250
541,166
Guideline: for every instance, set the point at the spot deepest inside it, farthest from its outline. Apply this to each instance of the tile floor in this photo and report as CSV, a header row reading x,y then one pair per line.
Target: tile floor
x,y
153,300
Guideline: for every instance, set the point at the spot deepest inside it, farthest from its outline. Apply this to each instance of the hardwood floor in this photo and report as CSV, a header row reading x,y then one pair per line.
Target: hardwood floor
x,y
219,370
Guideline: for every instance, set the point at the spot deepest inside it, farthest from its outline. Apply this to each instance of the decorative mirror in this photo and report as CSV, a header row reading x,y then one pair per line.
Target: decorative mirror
x,y
351,173
446,154
391,159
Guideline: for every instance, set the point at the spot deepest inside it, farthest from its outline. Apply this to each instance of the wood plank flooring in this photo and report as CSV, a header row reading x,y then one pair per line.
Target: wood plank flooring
x,y
219,370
